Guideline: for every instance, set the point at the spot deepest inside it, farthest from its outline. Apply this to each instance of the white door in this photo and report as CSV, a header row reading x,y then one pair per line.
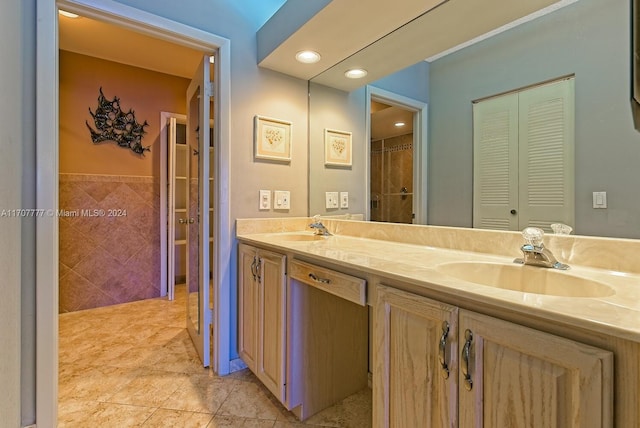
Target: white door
x,y
546,150
495,163
523,154
199,94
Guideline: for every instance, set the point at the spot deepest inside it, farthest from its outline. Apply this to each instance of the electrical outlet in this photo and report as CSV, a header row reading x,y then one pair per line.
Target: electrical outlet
x,y
264,202
282,200
344,199
331,200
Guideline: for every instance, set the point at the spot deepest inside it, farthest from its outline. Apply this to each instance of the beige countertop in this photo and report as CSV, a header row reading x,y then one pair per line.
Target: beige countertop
x,y
616,312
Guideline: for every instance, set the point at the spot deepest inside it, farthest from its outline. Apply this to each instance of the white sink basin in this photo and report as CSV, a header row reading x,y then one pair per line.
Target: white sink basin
x,y
526,279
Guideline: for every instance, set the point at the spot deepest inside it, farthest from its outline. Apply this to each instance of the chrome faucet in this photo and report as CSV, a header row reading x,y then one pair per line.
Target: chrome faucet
x,y
535,253
320,229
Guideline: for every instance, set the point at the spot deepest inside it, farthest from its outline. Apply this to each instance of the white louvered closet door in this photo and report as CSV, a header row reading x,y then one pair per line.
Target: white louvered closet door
x,y
524,158
547,155
495,163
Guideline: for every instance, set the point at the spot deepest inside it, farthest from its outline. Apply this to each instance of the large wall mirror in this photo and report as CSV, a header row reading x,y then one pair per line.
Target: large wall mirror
x,y
589,39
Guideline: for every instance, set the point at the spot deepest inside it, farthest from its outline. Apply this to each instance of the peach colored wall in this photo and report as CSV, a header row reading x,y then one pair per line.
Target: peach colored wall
x,y
146,92
114,256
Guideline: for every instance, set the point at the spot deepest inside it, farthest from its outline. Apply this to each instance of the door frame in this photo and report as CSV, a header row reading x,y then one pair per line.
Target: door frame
x,y
420,147
47,169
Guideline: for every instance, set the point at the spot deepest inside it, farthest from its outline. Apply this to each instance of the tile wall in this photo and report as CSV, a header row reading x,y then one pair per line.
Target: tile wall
x,y
109,240
392,179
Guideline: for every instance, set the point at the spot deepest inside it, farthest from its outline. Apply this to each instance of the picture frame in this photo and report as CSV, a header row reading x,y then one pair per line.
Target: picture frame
x,y
337,148
272,139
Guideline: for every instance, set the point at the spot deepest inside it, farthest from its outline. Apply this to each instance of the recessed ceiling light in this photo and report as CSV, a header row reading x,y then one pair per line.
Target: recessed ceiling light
x,y
68,14
399,124
308,57
355,73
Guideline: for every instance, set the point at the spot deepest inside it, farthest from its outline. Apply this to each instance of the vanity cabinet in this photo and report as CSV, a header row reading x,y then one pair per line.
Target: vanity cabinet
x,y
328,322
302,329
436,365
414,361
261,315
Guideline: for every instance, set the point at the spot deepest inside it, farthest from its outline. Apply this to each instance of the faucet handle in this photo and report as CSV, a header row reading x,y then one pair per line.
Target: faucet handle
x,y
561,229
316,218
533,236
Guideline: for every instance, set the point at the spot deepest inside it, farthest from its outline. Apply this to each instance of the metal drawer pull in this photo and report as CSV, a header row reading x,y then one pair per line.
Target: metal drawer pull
x,y
466,356
253,268
322,280
443,347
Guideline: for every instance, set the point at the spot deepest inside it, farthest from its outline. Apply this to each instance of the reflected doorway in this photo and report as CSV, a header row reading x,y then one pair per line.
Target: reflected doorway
x,y
391,163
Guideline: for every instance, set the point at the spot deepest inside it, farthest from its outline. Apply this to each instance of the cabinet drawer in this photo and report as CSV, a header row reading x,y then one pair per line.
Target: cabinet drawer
x,y
346,286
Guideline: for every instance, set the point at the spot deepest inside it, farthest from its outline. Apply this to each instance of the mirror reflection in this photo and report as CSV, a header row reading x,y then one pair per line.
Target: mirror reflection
x,y
586,40
391,160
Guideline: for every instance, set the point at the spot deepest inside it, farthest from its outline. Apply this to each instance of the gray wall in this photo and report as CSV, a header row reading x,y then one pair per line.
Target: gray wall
x,y
345,111
590,39
410,82
17,174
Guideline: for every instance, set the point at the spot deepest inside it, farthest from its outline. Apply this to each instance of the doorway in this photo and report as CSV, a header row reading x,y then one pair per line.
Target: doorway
x,y
48,188
397,158
391,163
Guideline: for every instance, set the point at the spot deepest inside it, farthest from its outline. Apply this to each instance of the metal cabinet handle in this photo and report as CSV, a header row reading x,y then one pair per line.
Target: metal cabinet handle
x,y
442,351
258,267
466,357
253,268
182,221
317,279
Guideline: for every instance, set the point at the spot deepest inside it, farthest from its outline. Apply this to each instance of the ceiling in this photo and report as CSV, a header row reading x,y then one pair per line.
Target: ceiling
x,y
338,30
385,37
383,120
109,42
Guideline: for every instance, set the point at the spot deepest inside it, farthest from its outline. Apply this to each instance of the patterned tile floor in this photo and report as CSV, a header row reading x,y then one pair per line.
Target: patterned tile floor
x,y
133,365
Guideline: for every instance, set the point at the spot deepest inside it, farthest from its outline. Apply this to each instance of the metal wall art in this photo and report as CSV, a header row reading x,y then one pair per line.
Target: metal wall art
x,y
112,124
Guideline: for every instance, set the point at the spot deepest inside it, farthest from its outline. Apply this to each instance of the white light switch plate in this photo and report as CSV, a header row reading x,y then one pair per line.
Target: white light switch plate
x,y
599,199
344,199
282,200
264,202
331,199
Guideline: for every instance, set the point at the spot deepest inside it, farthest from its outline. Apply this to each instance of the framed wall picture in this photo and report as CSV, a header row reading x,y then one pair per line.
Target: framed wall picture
x,y
272,139
337,147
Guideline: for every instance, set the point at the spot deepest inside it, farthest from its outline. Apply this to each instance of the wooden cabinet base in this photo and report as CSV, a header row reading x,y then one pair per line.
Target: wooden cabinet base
x,y
328,348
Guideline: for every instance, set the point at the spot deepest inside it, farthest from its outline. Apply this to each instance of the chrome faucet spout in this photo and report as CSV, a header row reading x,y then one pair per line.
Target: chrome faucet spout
x,y
535,253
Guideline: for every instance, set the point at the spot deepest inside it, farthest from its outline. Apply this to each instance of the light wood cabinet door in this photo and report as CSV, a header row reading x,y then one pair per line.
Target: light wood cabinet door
x,y
248,305
271,361
415,361
513,376
261,315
